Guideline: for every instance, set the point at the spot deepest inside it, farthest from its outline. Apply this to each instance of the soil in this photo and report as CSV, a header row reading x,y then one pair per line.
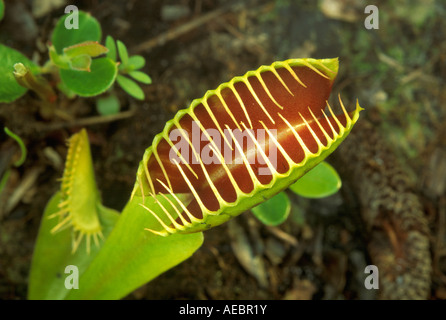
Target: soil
x,y
396,72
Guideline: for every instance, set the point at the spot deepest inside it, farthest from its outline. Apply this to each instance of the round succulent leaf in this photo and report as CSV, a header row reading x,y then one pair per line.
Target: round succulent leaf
x,y
141,77
10,90
321,181
273,211
88,29
107,105
130,86
86,84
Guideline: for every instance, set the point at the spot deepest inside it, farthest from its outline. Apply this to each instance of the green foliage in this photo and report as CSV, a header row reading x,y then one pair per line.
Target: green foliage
x,y
274,211
86,84
76,60
89,30
130,86
2,9
107,105
129,65
73,50
10,90
321,181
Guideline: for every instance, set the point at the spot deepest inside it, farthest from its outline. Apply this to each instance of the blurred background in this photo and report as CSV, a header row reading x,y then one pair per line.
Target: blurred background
x,y
391,210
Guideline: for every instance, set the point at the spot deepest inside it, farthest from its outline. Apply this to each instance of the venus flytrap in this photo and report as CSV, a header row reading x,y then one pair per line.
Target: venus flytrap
x,y
79,210
174,198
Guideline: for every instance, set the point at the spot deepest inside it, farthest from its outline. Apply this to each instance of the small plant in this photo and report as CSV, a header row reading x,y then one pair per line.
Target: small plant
x,y
257,135
78,65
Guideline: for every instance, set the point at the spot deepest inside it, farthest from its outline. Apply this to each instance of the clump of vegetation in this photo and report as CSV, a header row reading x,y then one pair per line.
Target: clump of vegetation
x,y
78,65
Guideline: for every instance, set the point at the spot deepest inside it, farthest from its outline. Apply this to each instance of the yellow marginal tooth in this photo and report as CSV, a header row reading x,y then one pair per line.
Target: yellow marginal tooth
x,y
259,77
329,140
183,220
95,239
240,101
265,157
245,160
251,90
149,178
228,173
341,127
211,114
88,236
347,117
177,152
282,150
166,212
155,153
297,136
314,135
228,111
189,215
77,242
314,69
161,222
335,134
63,223
273,70
290,70
159,233
192,189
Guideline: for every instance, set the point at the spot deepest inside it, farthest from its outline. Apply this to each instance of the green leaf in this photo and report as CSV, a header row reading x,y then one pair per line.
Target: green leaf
x,y
61,61
107,105
136,62
273,211
132,256
86,84
81,63
21,144
2,9
10,90
89,30
141,77
52,253
111,46
90,48
130,87
123,54
322,181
